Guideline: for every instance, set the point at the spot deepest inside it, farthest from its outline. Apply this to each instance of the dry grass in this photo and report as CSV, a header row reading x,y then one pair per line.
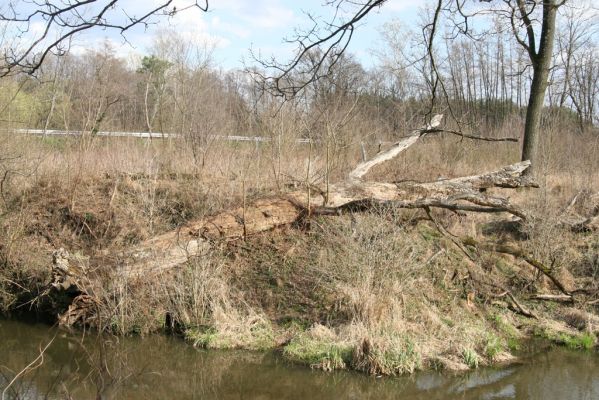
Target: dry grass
x,y
378,293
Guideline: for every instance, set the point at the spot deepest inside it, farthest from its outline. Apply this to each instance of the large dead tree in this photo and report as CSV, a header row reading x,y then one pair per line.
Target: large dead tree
x,y
172,249
169,250
466,193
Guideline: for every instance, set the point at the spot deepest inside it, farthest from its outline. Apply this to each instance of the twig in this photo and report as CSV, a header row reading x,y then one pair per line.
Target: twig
x,y
474,137
448,234
519,306
30,367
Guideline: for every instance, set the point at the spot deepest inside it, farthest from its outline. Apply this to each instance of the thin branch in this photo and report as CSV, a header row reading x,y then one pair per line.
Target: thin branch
x,y
474,137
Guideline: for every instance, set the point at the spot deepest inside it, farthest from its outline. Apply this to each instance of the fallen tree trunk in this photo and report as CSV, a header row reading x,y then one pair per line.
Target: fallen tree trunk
x,y
465,193
174,248
169,250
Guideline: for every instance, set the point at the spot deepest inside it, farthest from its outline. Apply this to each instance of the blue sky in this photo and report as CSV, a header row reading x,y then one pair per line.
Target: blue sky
x,y
233,26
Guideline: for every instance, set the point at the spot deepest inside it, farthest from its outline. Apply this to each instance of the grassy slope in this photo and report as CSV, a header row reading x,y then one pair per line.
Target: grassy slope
x,y
383,292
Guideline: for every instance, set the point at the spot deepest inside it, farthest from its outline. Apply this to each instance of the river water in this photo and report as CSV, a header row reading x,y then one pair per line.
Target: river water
x,y
78,366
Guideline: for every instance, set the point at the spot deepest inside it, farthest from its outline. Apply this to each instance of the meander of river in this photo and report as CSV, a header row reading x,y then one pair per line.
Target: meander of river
x,y
83,366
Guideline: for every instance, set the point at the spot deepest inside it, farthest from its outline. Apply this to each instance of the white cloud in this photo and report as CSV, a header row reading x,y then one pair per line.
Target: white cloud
x,y
218,24
258,14
402,5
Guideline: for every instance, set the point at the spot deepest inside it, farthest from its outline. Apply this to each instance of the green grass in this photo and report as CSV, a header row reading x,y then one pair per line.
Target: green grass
x,y
428,233
471,358
258,337
201,338
513,344
585,341
505,328
398,359
494,346
582,341
319,353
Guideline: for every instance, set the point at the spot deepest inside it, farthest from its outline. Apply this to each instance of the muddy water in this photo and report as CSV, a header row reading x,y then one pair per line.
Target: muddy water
x,y
160,367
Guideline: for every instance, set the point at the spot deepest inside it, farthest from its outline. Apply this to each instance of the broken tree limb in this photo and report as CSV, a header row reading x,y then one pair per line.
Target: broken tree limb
x,y
174,248
475,137
577,223
171,249
517,252
510,176
552,297
389,154
520,308
482,280
589,220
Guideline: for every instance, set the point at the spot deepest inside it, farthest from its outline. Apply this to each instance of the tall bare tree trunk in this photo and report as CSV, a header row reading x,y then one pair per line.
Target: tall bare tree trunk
x,y
541,61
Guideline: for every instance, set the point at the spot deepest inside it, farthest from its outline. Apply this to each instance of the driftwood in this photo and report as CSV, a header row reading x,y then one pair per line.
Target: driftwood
x,y
174,248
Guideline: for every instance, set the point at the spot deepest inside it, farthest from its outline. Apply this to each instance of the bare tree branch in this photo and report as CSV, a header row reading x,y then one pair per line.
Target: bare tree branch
x,y
63,20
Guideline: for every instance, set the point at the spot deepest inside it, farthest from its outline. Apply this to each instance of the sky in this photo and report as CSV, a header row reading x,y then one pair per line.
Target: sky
x,y
232,27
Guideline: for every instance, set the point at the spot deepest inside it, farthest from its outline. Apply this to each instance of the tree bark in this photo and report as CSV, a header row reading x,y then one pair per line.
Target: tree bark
x,y
171,249
541,62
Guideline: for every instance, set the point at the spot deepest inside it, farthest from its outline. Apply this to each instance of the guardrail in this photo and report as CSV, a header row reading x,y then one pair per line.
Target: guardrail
x,y
148,135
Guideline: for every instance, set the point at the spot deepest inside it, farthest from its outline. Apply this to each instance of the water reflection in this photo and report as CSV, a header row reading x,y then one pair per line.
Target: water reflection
x,y
165,368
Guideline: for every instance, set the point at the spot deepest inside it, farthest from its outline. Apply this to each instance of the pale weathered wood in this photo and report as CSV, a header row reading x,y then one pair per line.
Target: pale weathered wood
x,y
171,249
552,297
389,154
174,248
587,222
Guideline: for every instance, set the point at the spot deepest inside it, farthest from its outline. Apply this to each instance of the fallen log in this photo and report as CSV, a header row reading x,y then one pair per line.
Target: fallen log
x,y
464,193
174,248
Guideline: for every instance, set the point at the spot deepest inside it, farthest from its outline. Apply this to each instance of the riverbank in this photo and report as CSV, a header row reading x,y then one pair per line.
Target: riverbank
x,y
384,292
388,299
381,294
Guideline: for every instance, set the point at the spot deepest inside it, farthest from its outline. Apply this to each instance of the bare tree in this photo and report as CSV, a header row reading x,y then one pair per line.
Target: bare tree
x,y
532,24
61,20
154,71
540,56
318,49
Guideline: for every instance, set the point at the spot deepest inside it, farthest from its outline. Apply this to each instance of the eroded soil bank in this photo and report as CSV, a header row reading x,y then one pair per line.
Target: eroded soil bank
x,y
386,292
